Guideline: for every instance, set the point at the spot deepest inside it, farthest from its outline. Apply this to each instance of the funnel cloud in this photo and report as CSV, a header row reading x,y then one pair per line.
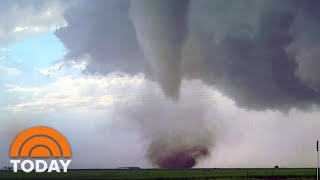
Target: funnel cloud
x,y
161,29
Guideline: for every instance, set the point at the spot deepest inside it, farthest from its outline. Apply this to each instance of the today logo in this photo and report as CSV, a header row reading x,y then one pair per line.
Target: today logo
x,y
36,144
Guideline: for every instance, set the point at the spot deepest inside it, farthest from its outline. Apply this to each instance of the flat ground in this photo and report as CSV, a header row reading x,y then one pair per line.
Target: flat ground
x,y
282,173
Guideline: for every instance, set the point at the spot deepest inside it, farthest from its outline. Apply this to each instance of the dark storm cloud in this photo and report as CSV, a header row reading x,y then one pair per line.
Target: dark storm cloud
x,y
103,30
259,53
246,52
256,70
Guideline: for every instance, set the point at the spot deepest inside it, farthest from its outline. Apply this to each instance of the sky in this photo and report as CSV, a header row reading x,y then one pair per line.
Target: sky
x,y
139,83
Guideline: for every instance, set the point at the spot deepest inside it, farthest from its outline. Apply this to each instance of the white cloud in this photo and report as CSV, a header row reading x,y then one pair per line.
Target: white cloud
x,y
35,29
10,71
19,29
75,92
78,65
52,69
20,19
2,58
19,89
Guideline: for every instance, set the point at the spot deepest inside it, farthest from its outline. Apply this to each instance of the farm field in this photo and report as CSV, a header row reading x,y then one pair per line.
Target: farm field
x,y
263,173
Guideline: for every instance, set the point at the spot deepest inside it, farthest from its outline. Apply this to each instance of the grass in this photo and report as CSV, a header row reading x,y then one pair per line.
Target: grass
x,y
171,174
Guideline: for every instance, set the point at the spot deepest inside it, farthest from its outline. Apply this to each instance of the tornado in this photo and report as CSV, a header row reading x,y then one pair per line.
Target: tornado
x,y
161,27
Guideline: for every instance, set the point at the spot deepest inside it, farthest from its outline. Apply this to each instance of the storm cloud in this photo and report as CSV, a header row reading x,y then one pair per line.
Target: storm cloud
x,y
259,53
104,31
211,83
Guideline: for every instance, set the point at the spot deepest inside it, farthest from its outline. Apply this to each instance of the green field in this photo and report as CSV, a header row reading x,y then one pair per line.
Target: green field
x,y
158,174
